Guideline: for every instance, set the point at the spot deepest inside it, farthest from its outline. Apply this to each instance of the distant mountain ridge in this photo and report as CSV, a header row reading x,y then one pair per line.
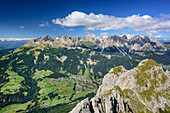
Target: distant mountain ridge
x,y
14,39
125,44
13,42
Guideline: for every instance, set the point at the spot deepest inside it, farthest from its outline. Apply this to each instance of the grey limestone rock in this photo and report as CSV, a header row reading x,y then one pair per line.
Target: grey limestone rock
x,y
145,88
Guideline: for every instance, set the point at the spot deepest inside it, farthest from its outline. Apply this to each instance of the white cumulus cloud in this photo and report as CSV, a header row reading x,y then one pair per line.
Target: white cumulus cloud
x,y
160,37
21,27
104,34
152,32
107,22
164,16
43,24
70,29
167,31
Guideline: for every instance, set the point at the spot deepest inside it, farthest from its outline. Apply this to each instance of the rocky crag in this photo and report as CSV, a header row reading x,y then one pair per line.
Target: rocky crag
x,y
143,89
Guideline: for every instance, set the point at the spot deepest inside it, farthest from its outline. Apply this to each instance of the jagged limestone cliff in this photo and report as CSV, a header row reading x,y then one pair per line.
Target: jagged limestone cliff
x,y
143,89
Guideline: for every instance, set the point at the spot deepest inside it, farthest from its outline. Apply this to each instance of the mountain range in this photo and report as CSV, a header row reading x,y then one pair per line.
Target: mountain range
x,y
125,44
54,74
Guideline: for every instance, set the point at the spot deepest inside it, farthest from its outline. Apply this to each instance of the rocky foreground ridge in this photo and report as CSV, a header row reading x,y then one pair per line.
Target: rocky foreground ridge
x,y
143,89
125,44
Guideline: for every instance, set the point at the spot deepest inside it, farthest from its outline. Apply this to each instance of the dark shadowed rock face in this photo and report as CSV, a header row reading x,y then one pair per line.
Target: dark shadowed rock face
x,y
144,89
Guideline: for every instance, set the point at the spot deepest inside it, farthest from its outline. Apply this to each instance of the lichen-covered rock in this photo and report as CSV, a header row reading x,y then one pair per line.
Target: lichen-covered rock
x,y
144,89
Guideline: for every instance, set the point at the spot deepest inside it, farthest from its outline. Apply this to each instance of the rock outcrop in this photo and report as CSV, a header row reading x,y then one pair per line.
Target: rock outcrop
x,y
143,89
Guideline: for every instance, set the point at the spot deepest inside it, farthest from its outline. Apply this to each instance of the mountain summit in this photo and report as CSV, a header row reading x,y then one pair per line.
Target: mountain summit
x,y
144,88
45,39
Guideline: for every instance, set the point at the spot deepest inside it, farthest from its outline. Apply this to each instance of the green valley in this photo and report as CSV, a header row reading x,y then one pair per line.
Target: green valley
x,y
41,77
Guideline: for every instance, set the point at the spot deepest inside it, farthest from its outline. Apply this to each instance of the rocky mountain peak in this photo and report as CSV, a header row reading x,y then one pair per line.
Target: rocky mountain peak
x,y
115,38
148,61
90,37
128,36
58,37
46,36
66,38
124,37
44,39
136,90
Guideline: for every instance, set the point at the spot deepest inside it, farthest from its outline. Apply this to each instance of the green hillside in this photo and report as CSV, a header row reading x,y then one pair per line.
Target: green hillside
x,y
44,79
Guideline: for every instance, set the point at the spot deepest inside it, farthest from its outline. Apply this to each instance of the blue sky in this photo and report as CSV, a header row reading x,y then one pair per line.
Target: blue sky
x,y
35,18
